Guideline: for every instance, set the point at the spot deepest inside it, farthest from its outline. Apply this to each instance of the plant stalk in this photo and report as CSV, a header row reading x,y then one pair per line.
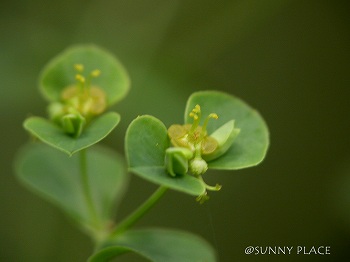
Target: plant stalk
x,y
86,189
140,211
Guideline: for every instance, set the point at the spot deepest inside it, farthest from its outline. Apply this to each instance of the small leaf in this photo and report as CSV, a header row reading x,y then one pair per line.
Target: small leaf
x,y
56,177
251,144
158,245
59,73
146,143
55,136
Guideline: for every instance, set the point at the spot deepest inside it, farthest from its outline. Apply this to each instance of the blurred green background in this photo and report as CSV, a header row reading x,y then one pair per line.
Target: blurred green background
x,y
289,59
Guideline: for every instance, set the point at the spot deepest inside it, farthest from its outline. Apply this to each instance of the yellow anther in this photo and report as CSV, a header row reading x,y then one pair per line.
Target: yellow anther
x,y
95,73
195,116
80,78
213,115
196,109
79,67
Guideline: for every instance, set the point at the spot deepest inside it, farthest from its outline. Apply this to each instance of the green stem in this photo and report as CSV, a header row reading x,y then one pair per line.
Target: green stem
x,y
86,189
140,211
217,187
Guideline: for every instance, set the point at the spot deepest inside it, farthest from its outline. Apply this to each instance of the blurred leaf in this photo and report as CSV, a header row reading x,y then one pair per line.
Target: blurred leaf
x,y
146,143
250,146
59,73
56,177
158,245
54,136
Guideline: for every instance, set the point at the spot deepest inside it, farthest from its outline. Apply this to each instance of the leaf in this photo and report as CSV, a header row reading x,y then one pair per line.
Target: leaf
x,y
57,178
158,245
146,143
59,73
251,144
54,136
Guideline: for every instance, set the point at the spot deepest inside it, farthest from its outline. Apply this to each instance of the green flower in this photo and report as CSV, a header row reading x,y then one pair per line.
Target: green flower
x,y
200,147
204,147
80,84
233,137
78,103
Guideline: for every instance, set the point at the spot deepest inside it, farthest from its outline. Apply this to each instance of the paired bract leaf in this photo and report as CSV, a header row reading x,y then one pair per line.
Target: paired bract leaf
x,y
146,142
55,136
158,245
59,73
250,146
56,177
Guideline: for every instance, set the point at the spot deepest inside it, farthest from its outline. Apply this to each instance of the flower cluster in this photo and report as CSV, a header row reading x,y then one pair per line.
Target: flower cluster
x,y
79,103
193,148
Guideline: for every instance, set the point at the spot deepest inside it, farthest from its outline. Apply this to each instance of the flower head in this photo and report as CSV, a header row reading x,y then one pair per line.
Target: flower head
x,y
203,148
79,103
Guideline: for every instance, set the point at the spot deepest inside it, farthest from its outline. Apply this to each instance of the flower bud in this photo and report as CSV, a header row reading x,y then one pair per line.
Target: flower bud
x,y
176,160
198,166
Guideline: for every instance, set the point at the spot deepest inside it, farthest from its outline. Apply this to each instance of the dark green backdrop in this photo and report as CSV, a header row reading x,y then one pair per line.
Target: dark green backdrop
x,y
289,59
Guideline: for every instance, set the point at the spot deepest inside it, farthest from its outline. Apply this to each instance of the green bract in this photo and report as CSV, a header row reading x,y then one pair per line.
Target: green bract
x,y
145,144
53,135
250,146
237,137
80,83
59,73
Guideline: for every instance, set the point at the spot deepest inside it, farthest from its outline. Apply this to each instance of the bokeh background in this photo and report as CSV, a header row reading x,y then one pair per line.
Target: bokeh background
x,y
287,58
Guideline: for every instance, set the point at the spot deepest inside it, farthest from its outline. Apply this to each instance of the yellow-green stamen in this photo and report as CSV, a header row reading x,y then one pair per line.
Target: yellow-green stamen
x,y
79,68
204,127
195,138
88,100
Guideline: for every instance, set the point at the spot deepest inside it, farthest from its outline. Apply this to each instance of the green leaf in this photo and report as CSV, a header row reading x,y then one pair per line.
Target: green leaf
x,y
158,245
251,144
59,73
146,143
55,136
57,178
